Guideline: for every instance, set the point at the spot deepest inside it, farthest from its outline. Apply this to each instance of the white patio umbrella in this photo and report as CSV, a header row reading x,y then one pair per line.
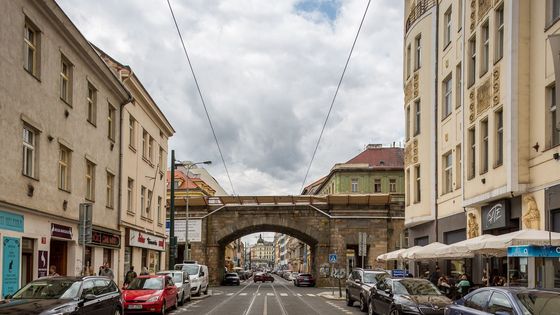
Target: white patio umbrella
x,y
390,255
424,252
461,249
500,243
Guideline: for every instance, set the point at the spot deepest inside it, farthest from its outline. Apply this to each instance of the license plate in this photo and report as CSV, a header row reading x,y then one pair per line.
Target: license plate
x,y
135,307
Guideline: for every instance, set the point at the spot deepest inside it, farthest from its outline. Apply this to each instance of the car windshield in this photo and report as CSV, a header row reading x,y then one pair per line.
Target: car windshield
x,y
231,275
371,277
146,284
191,269
49,289
539,303
415,287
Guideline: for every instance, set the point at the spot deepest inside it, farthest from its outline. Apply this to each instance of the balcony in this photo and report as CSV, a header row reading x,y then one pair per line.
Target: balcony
x,y
421,7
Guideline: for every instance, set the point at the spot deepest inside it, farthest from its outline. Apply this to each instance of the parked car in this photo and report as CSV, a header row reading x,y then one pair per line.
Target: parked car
x,y
182,282
406,296
65,295
263,277
359,284
153,294
507,300
231,278
198,275
304,279
285,274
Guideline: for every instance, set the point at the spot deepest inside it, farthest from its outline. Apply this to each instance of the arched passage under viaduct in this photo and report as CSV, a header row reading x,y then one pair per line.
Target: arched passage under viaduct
x,y
328,224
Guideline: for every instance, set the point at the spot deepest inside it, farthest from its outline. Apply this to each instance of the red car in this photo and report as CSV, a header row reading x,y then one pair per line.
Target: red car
x,y
150,294
264,277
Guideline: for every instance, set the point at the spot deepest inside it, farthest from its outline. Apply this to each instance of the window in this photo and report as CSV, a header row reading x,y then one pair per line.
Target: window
x,y
64,168
417,185
553,6
377,185
149,204
31,51
131,132
499,50
151,149
110,191
408,58
65,80
29,145
143,200
354,185
145,137
458,167
159,210
499,303
484,146
447,97
111,116
553,133
478,301
90,180
460,15
472,60
130,195
447,30
472,153
447,173
499,121
407,190
418,55
485,48
392,185
458,86
161,160
417,117
407,127
92,104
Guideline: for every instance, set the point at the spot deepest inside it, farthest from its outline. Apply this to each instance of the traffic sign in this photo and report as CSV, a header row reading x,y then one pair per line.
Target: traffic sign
x,y
332,258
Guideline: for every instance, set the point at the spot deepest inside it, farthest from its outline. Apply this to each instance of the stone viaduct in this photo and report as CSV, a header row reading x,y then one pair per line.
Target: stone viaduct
x,y
328,224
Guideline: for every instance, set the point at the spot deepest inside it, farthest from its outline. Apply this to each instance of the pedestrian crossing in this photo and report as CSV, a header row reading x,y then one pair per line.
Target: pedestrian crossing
x,y
283,294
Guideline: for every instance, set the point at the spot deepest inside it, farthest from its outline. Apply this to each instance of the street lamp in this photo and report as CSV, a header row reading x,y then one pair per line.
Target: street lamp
x,y
189,166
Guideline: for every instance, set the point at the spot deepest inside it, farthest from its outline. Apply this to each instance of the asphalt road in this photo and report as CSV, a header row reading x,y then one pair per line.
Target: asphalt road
x,y
278,298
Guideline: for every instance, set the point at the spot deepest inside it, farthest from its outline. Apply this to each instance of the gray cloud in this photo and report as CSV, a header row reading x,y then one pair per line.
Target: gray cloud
x,y
268,73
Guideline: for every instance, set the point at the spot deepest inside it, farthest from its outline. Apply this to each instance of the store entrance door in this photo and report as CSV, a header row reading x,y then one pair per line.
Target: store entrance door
x,y
58,256
26,260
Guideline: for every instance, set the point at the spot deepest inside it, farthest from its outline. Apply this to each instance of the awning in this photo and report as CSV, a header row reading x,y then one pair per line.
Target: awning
x,y
425,252
498,245
461,249
394,255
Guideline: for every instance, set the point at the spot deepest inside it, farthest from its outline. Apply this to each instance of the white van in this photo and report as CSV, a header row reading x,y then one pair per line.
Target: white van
x,y
198,275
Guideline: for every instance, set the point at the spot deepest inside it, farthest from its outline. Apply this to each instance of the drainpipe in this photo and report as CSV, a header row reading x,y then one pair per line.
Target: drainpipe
x,y
436,123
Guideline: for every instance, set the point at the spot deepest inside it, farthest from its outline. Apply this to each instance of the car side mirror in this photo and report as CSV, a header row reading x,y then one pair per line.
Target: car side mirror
x,y
187,281
388,291
202,273
358,281
89,297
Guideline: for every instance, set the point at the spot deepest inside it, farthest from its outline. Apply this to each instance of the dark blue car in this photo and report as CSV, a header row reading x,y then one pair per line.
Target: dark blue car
x,y
507,300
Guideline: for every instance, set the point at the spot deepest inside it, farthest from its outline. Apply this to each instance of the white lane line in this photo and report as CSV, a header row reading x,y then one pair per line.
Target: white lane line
x,y
279,301
227,300
270,294
252,301
301,299
243,294
283,294
309,294
229,294
297,294
265,310
258,294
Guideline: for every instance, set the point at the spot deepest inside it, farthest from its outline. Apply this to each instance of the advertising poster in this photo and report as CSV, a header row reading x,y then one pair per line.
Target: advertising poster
x,y
195,230
43,263
10,265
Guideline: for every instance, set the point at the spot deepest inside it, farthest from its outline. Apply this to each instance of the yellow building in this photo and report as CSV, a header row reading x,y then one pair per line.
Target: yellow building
x,y
482,130
262,253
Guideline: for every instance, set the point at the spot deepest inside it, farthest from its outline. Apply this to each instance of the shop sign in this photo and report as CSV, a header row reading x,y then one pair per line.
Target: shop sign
x,y
11,221
105,239
61,231
43,262
10,265
495,215
139,239
533,251
195,230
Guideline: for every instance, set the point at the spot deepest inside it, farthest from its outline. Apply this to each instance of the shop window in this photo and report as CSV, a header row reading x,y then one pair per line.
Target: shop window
x,y
108,256
518,271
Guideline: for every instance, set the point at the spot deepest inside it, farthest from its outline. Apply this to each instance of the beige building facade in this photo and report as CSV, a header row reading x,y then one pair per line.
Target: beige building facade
x,y
59,120
482,133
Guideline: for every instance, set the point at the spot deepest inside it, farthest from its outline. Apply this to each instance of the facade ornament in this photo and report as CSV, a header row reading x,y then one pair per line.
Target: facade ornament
x,y
531,219
472,226
483,96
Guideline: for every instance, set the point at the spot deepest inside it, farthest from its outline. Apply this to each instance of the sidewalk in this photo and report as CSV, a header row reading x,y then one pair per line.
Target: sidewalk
x,y
329,294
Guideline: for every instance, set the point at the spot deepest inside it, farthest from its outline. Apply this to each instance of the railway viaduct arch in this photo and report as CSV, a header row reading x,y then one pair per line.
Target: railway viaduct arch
x,y
328,224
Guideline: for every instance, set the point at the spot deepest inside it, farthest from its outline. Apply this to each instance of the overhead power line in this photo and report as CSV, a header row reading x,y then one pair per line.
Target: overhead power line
x,y
200,94
334,97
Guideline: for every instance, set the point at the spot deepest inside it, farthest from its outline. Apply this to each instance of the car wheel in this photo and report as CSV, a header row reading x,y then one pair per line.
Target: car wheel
x,y
370,310
363,304
182,299
117,311
176,305
163,308
190,296
349,301
206,291
394,312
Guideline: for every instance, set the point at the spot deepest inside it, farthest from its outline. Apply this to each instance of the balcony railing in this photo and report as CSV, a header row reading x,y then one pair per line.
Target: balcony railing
x,y
421,7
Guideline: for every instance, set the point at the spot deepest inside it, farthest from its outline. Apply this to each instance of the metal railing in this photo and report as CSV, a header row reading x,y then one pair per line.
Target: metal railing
x,y
421,7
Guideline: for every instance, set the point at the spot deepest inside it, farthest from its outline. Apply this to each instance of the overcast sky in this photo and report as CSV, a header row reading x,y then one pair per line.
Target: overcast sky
x,y
268,71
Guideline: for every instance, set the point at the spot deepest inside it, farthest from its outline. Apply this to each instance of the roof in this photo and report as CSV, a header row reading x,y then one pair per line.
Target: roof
x,y
374,157
334,200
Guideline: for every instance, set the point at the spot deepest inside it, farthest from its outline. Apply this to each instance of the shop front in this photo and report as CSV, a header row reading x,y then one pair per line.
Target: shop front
x,y
143,250
451,230
103,248
534,266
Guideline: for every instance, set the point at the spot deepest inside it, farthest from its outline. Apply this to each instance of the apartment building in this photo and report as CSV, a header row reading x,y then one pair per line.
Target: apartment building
x,y
59,120
144,149
482,133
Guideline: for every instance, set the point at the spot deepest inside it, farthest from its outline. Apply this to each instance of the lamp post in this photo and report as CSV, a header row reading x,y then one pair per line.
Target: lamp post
x,y
189,166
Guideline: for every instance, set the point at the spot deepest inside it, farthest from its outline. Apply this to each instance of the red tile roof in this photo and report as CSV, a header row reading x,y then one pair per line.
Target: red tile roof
x,y
380,158
183,179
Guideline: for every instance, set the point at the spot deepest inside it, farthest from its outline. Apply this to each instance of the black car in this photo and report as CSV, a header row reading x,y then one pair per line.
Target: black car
x,y
67,296
407,296
507,300
231,278
359,283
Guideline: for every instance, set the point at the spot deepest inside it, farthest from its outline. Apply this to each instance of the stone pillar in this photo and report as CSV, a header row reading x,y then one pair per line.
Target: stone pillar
x,y
321,266
215,263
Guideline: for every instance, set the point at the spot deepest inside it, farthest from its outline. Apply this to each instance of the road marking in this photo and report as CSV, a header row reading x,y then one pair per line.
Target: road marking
x,y
229,294
297,294
279,301
283,294
299,297
309,294
265,310
227,300
243,294
252,301
270,294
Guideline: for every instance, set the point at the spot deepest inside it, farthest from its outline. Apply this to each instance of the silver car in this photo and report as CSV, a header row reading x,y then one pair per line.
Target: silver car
x,y
182,282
